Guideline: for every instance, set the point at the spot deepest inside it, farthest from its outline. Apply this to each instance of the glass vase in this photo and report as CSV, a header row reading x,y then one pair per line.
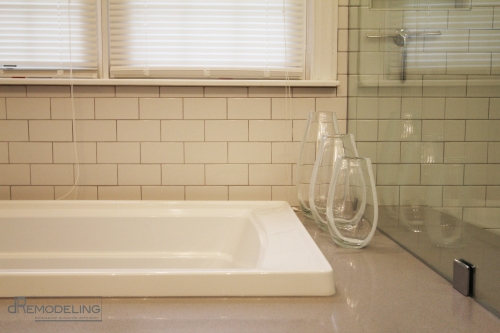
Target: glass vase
x,y
331,148
319,123
352,205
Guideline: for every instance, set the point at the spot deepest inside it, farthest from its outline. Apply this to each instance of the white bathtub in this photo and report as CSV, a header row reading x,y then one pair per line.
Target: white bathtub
x,y
158,248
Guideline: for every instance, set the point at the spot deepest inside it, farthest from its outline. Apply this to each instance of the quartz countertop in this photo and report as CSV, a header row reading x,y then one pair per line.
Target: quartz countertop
x,y
381,288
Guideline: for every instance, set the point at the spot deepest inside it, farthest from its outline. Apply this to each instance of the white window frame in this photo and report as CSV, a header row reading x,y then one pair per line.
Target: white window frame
x,y
321,57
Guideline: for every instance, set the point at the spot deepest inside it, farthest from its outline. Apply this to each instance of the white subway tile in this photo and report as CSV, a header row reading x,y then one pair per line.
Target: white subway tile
x,y
342,62
270,130
494,112
3,109
295,108
267,91
388,195
94,91
389,108
205,108
411,108
483,130
226,92
464,196
367,130
51,130
205,152
493,196
14,174
270,174
250,193
162,152
61,108
249,108
433,108
487,41
226,130
119,192
181,91
249,152
207,193
139,174
368,149
12,91
95,130
285,152
433,130
52,174
367,108
4,192
162,192
299,128
372,63
285,193
97,174
388,152
32,192
454,130
30,152
421,195
422,152
485,218
160,108
398,130
118,152
64,152
116,108
301,92
28,108
137,91
4,152
463,63
493,152
14,130
442,174
48,91
138,130
337,105
182,130
466,152
183,174
407,174
226,174
76,193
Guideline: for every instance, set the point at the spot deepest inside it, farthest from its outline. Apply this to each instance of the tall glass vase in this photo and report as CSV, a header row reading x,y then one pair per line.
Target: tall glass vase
x,y
331,148
352,205
319,123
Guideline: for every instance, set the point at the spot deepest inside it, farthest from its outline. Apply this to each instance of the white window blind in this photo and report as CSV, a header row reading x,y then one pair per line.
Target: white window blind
x,y
207,38
36,40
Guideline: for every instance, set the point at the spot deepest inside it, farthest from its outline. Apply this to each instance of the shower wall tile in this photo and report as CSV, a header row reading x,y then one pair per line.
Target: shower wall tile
x,y
388,195
182,130
338,105
476,18
12,91
160,108
482,174
207,193
205,108
297,108
3,110
181,91
4,192
466,152
97,174
94,91
226,130
4,152
14,130
226,174
32,192
285,193
15,174
250,193
116,108
266,92
119,193
48,91
269,174
249,108
75,192
62,108
250,152
388,152
226,92
467,196
285,152
408,174
493,196
50,130
138,130
205,152
162,192
95,130
30,152
183,174
442,174
270,130
118,152
421,195
139,174
137,91
52,174
422,152
162,152
28,108
493,152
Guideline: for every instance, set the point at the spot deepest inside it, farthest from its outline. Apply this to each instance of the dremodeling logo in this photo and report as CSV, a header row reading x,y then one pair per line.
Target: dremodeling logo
x,y
57,309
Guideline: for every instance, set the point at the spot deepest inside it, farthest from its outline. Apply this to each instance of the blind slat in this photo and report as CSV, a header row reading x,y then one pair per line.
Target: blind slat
x,y
239,39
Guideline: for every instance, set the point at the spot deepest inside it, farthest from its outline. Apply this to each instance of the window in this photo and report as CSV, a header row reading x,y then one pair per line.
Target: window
x,y
35,38
169,39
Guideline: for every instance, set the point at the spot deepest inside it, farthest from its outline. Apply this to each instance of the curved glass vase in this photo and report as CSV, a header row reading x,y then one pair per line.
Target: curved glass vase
x,y
319,123
331,147
352,205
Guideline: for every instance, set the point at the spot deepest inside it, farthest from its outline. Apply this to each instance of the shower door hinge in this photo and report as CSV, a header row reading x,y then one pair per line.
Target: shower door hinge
x,y
463,277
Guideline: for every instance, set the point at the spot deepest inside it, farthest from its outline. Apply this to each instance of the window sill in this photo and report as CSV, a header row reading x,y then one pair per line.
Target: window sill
x,y
170,82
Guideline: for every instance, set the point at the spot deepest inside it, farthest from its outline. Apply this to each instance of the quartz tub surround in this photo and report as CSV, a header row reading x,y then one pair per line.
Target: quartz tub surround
x,y
381,288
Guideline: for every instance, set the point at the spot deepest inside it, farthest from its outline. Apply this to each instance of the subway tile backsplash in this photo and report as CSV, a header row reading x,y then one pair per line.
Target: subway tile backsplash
x,y
152,143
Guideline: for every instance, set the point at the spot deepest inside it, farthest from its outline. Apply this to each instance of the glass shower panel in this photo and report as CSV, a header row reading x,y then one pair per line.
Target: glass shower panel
x,y
424,105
